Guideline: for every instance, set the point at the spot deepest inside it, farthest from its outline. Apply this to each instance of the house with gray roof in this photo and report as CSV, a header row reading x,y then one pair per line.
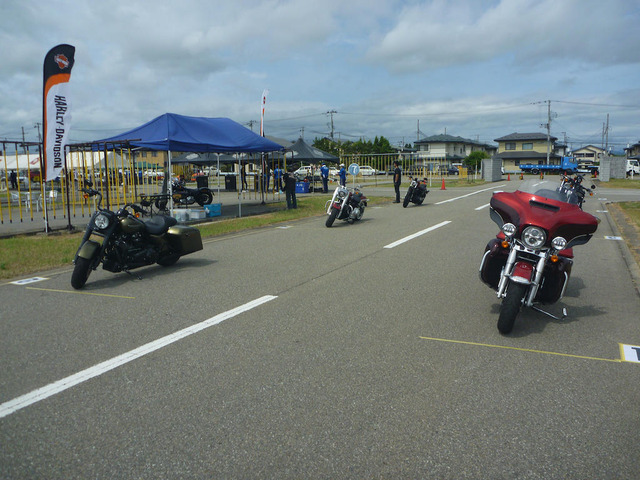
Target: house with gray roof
x,y
525,148
449,148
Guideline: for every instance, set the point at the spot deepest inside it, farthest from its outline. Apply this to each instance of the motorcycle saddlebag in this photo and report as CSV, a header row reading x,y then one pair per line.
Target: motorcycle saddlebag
x,y
185,239
493,261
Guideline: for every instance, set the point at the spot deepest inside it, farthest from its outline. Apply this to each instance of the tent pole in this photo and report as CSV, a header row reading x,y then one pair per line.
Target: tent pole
x,y
170,185
238,189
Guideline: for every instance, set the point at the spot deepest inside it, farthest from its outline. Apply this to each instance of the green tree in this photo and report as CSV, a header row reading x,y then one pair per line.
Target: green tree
x,y
474,159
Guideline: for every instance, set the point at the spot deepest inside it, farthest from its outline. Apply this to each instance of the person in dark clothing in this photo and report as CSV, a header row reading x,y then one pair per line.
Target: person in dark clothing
x,y
243,178
14,179
397,178
290,188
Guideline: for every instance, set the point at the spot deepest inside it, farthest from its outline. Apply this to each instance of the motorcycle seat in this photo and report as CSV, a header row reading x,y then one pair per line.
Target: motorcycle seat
x,y
159,224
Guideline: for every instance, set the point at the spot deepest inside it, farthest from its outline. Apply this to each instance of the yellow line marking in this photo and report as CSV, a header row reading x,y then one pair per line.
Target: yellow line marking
x,y
80,293
522,349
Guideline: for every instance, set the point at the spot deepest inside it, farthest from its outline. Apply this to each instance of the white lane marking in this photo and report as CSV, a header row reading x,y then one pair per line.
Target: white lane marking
x,y
47,391
483,206
27,281
469,194
421,232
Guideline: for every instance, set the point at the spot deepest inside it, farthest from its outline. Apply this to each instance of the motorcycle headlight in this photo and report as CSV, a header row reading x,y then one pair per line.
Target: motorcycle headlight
x,y
101,221
341,193
534,237
559,243
509,229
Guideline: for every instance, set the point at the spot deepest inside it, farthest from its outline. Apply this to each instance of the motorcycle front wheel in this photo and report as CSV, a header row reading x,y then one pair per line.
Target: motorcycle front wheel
x,y
407,198
81,272
332,217
510,307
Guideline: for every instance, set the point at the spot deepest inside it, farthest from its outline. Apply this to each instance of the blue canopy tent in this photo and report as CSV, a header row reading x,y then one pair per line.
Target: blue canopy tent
x,y
172,132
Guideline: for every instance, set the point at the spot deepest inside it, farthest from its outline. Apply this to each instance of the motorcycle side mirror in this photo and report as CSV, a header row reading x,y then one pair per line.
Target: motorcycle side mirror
x,y
593,186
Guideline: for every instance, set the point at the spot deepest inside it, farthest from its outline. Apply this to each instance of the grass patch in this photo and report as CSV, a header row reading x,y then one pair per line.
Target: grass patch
x,y
632,209
26,254
619,183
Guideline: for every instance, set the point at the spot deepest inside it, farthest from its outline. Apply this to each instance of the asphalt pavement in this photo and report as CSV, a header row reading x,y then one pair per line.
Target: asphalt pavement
x,y
300,351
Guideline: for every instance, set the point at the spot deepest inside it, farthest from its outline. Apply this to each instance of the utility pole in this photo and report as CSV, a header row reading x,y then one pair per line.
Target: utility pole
x,y
24,145
606,147
548,127
548,130
418,132
37,125
331,112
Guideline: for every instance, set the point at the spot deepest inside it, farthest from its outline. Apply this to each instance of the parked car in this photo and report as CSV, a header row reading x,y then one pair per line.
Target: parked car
x,y
453,171
366,170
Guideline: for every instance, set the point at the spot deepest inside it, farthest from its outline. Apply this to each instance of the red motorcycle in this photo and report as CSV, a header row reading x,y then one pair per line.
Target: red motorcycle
x,y
529,262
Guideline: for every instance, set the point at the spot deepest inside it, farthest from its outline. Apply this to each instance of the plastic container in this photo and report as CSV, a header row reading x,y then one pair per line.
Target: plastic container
x,y
302,187
213,209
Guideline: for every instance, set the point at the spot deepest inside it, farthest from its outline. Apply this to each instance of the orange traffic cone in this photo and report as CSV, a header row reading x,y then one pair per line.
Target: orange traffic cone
x,y
443,187
508,177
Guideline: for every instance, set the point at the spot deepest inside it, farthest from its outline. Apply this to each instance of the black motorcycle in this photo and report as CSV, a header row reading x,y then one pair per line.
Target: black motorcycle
x,y
183,195
121,241
416,192
346,205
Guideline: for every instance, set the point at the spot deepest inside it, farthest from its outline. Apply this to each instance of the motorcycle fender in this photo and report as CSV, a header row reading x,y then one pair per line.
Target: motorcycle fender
x,y
88,249
184,239
522,272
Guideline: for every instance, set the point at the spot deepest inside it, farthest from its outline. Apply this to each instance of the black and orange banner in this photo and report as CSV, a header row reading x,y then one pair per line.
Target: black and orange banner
x,y
56,107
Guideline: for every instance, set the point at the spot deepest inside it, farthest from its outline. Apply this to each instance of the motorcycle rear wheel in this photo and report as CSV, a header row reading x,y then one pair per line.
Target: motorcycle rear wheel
x,y
332,217
510,307
169,260
204,198
81,272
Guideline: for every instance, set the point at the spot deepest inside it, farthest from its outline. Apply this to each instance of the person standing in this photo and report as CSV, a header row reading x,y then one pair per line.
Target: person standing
x,y
277,178
343,175
14,179
290,188
324,174
397,178
243,179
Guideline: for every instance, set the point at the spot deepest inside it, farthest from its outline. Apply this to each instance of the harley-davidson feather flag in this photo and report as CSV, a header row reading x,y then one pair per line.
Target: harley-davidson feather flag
x,y
56,114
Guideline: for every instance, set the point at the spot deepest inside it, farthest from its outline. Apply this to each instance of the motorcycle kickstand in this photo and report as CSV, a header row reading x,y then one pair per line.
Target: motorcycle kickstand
x,y
564,313
132,274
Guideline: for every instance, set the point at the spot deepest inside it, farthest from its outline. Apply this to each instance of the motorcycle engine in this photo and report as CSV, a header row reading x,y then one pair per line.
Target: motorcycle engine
x,y
355,212
130,251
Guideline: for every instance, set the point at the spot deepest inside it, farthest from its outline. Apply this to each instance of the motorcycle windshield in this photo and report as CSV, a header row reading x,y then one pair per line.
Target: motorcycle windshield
x,y
553,190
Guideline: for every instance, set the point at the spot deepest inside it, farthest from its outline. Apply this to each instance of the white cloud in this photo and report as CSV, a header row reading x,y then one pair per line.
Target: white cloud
x,y
444,33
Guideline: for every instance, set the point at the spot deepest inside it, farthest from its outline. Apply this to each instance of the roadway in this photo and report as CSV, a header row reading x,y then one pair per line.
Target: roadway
x,y
297,351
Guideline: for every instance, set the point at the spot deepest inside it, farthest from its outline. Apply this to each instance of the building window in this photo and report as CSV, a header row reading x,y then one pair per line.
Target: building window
x,y
509,146
527,146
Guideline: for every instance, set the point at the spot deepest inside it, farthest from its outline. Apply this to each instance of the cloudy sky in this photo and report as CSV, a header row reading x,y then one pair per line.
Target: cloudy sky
x,y
404,69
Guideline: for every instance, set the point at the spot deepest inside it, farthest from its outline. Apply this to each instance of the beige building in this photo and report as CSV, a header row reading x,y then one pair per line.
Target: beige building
x,y
518,149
